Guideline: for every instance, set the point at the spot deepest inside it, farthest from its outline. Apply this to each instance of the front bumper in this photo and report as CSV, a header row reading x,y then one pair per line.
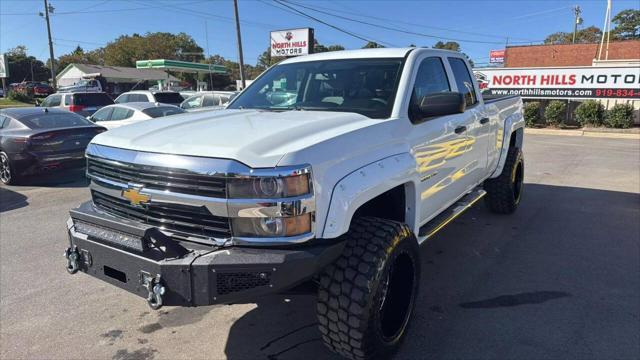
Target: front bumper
x,y
192,274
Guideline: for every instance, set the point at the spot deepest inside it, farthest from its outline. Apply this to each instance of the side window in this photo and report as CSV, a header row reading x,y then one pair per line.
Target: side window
x,y
54,101
102,114
463,80
431,79
122,99
138,98
3,119
67,100
120,113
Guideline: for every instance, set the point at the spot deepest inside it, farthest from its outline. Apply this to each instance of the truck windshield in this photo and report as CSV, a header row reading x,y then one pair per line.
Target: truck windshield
x,y
364,86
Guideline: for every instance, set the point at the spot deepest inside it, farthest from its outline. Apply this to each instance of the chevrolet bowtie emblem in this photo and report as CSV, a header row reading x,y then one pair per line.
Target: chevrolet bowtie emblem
x,y
134,196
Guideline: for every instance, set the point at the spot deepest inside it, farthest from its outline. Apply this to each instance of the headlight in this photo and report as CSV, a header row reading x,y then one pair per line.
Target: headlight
x,y
271,227
268,187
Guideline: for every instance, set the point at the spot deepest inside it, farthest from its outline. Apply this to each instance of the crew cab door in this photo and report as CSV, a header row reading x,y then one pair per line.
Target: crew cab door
x,y
442,145
477,125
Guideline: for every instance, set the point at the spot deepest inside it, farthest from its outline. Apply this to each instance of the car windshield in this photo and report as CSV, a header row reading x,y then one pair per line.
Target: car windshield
x,y
364,86
160,111
54,120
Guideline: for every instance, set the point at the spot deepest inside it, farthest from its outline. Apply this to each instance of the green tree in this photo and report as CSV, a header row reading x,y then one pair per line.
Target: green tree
x,y
127,49
591,34
372,45
555,112
590,112
449,45
79,56
619,116
21,65
627,24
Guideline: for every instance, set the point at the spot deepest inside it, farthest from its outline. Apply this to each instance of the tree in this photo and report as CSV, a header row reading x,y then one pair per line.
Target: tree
x,y
372,45
79,56
627,24
591,34
21,66
127,49
449,45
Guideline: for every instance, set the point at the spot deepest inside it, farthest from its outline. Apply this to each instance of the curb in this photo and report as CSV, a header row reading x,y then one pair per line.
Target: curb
x,y
558,132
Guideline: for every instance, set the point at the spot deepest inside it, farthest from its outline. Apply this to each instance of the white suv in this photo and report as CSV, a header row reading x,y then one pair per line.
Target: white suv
x,y
165,97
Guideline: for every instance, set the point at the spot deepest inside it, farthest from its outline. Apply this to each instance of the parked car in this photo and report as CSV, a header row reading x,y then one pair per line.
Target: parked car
x,y
84,104
208,99
165,97
42,90
377,151
117,115
33,140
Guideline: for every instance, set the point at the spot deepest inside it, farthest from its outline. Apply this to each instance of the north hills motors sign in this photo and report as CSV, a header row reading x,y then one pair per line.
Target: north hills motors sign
x,y
551,83
292,42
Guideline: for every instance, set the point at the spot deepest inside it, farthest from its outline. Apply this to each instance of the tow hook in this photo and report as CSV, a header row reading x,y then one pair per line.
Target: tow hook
x,y
155,288
73,259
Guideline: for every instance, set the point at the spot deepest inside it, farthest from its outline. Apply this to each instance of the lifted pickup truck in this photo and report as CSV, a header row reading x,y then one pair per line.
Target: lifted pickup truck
x,y
329,170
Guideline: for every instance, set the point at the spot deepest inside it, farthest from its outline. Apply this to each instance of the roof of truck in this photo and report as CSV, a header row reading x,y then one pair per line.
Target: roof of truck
x,y
363,54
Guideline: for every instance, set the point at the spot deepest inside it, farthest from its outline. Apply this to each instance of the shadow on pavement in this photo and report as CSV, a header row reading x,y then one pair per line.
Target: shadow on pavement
x,y
559,258
11,200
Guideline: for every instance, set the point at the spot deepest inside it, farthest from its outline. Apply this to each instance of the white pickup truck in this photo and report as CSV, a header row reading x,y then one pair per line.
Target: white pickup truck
x,y
328,170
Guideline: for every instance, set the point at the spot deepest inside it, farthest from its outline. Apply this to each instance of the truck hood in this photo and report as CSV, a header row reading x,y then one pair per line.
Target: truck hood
x,y
254,137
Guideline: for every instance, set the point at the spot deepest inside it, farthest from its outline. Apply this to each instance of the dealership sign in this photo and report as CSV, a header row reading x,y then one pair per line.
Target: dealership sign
x,y
4,66
496,57
292,42
552,83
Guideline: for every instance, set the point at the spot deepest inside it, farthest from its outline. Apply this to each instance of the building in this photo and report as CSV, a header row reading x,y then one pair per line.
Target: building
x,y
568,54
116,79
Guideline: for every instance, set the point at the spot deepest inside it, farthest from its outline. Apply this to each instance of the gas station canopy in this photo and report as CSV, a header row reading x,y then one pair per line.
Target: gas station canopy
x,y
182,66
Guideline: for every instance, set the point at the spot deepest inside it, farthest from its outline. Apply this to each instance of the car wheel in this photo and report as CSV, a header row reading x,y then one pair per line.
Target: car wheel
x,y
366,297
505,191
8,174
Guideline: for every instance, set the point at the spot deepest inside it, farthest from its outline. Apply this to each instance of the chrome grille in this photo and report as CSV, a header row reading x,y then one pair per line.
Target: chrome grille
x,y
182,219
160,178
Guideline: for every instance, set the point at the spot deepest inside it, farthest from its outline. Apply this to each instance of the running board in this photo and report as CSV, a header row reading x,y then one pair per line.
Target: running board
x,y
429,229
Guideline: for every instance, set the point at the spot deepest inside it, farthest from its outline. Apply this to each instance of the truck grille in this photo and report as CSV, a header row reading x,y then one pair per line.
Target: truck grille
x,y
160,178
182,219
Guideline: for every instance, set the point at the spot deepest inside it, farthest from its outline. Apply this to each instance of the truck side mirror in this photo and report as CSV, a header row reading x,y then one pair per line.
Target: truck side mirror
x,y
440,104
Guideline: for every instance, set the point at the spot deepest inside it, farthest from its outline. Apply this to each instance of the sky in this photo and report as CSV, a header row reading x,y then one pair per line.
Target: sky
x,y
478,26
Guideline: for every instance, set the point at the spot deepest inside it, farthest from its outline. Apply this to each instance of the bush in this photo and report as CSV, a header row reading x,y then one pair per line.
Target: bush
x,y
555,112
532,113
620,116
18,96
590,112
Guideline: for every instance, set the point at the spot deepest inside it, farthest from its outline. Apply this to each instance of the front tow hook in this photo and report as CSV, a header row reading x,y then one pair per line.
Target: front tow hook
x,y
73,260
155,288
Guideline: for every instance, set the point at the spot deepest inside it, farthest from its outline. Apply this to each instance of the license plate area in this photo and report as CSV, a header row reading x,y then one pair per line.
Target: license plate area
x,y
114,274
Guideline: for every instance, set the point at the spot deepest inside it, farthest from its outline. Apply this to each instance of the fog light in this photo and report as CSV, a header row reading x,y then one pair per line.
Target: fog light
x,y
271,227
111,236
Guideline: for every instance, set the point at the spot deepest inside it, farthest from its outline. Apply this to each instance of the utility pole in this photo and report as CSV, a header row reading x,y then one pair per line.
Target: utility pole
x,y
49,9
206,36
578,20
240,59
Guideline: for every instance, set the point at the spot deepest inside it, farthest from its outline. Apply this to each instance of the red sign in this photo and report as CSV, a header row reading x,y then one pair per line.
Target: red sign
x,y
496,56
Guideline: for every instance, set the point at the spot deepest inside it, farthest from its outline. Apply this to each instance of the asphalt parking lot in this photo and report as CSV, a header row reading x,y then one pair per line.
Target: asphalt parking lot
x,y
560,279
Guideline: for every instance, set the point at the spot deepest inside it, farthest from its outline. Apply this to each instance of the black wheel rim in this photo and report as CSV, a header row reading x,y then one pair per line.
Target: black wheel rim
x,y
518,182
5,169
397,295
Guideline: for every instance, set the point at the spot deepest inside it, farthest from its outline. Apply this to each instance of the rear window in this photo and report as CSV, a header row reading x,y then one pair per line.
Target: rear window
x,y
57,120
160,111
168,98
92,99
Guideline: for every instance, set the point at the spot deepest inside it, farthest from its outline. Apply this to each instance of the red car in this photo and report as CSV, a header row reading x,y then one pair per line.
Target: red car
x,y
42,90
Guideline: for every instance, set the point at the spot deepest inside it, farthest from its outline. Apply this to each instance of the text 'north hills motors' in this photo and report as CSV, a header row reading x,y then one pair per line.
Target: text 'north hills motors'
x,y
577,82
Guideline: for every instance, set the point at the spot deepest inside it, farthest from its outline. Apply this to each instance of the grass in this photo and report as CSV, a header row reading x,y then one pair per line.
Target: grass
x,y
6,102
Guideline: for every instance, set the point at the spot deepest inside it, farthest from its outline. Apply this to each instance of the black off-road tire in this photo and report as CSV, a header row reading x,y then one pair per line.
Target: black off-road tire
x,y
366,297
505,191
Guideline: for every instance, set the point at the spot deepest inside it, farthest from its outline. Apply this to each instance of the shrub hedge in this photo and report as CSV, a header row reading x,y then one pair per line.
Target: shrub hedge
x,y
555,112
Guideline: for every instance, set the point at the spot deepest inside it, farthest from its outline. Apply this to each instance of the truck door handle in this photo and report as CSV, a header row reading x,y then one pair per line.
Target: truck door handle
x,y
484,121
460,129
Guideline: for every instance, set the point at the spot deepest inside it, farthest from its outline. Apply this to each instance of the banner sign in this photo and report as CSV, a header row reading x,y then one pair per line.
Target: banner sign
x,y
292,42
566,83
4,66
496,57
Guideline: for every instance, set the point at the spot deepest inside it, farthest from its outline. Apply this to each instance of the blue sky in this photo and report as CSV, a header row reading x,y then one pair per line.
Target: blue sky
x,y
478,25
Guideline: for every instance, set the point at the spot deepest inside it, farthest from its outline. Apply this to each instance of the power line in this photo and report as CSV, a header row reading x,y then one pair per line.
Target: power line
x,y
80,42
396,29
415,24
300,13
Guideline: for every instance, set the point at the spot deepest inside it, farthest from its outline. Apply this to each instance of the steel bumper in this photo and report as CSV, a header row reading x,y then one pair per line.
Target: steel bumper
x,y
191,274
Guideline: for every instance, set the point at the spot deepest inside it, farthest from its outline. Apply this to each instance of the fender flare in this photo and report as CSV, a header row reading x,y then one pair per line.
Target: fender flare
x,y
513,123
364,184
